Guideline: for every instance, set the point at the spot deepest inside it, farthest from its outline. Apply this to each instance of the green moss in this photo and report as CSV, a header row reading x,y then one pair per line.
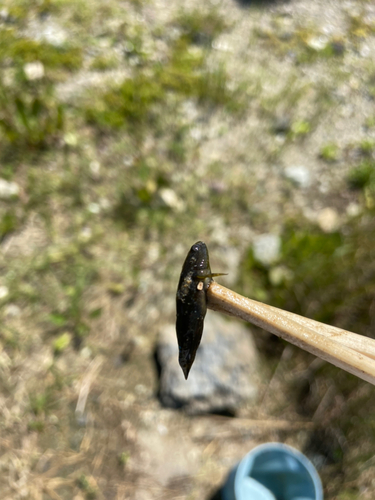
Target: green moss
x,y
359,25
330,278
7,172
299,128
8,223
30,115
61,343
129,106
104,62
316,265
201,27
177,146
85,485
22,9
286,99
362,176
75,276
36,426
188,75
308,54
40,186
352,494
308,260
304,43
25,50
42,403
123,458
141,198
133,104
329,152
370,122
367,147
38,403
116,288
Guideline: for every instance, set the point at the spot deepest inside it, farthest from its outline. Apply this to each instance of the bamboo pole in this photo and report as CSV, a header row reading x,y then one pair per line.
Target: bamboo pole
x,y
349,351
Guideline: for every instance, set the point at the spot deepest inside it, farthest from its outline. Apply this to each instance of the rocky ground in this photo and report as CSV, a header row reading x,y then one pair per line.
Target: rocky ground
x,y
130,130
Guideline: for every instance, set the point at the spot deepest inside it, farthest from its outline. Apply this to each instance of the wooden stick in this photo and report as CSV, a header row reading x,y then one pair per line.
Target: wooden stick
x,y
349,351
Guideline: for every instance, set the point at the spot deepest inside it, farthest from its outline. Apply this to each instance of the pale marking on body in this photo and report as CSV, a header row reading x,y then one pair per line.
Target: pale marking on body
x,y
200,285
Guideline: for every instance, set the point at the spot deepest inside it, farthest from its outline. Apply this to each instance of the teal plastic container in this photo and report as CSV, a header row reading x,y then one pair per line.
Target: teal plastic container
x,y
273,471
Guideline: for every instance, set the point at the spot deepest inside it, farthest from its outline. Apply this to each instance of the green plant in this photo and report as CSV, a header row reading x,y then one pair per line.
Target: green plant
x,y
104,62
329,152
130,105
24,50
39,403
316,265
306,43
300,128
69,315
370,122
61,343
137,102
367,147
86,485
123,458
177,146
308,53
359,25
362,176
36,426
330,278
201,27
30,115
8,223
307,262
142,199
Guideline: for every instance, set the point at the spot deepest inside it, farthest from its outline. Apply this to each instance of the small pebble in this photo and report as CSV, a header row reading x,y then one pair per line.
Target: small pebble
x,y
4,292
266,248
328,220
8,189
318,43
34,70
86,352
93,208
70,139
12,310
299,175
353,209
170,198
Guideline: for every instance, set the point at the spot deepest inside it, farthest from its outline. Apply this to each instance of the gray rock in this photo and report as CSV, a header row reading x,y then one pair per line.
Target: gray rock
x,y
282,124
223,375
266,248
11,311
299,175
8,189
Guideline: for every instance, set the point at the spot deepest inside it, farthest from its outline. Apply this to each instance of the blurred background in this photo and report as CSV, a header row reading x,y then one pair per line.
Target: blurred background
x,y
128,131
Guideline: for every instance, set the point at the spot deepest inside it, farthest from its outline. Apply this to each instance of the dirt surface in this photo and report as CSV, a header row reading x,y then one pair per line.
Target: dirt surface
x,y
81,418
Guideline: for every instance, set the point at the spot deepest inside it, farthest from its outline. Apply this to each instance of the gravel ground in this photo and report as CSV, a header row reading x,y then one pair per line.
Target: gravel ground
x,y
306,69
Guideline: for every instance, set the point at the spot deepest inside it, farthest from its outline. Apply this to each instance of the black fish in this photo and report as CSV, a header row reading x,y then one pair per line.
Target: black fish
x,y
191,304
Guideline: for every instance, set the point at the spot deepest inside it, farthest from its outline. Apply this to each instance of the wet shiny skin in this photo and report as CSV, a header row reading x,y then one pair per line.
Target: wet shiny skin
x,y
191,304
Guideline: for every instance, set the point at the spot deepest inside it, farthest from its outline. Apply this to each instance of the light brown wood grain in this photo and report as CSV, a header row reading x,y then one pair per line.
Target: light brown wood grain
x,y
349,351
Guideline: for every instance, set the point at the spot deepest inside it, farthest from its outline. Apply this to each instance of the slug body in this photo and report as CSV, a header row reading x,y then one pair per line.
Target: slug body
x,y
191,303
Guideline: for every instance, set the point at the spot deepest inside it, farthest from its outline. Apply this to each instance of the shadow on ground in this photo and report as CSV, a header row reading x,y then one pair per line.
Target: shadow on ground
x,y
259,3
216,495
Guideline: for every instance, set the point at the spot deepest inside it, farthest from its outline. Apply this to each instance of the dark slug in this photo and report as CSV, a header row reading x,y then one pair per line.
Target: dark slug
x,y
191,303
